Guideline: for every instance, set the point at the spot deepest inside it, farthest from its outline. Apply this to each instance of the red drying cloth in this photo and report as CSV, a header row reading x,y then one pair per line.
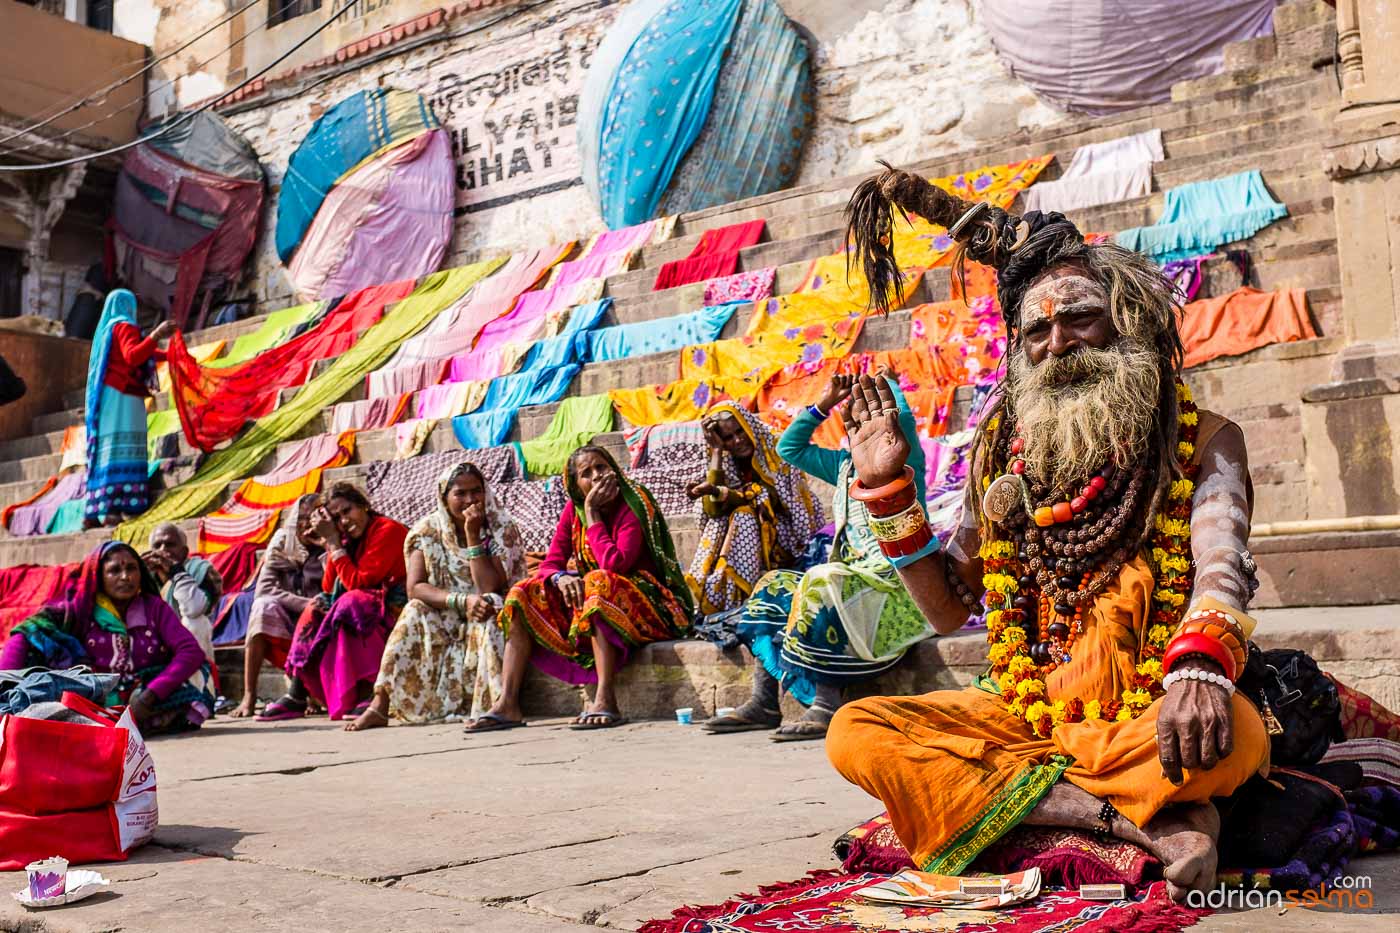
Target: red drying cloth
x,y
715,255
25,589
235,565
214,404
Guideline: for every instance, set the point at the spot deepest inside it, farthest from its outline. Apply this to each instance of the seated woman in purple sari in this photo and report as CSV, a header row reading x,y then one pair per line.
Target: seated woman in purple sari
x,y
112,618
340,636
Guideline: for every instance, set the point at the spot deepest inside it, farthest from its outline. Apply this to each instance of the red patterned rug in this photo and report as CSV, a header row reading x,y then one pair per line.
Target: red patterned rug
x,y
824,901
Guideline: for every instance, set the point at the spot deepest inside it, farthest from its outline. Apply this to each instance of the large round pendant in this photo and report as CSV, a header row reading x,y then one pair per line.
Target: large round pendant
x,y
1003,496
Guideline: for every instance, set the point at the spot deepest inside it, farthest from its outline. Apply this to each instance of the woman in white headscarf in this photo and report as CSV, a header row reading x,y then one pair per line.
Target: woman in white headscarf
x,y
287,581
443,658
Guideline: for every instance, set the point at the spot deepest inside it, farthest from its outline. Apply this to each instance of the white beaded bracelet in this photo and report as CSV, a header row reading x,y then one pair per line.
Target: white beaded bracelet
x,y
1220,680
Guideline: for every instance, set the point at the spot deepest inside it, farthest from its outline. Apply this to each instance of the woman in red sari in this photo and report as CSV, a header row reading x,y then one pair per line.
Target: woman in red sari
x,y
610,583
340,637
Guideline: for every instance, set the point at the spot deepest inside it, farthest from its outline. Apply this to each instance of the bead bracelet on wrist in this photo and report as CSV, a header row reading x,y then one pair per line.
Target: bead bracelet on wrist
x,y
1209,677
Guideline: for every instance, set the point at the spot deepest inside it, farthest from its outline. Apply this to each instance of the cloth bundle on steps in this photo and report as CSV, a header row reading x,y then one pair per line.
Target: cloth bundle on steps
x,y
1244,320
1100,173
717,254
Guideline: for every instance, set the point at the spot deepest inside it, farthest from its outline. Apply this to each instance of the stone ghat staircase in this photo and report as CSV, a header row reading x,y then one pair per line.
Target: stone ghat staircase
x,y
1270,110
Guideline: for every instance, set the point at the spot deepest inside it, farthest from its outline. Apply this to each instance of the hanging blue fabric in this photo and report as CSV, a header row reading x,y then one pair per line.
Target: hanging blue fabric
x,y
490,425
598,82
660,335
1202,215
658,104
759,120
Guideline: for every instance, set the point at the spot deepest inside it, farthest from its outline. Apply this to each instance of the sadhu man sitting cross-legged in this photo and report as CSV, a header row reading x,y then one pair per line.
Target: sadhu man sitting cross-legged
x,y
1109,703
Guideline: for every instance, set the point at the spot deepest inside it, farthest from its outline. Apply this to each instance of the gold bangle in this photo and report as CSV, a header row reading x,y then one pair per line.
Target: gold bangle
x,y
900,525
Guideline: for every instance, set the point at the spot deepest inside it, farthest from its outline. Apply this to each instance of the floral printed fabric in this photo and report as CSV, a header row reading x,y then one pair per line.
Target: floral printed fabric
x,y
741,286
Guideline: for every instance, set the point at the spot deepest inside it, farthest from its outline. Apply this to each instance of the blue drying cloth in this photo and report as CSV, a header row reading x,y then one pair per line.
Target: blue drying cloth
x,y
661,335
657,105
1205,214
489,426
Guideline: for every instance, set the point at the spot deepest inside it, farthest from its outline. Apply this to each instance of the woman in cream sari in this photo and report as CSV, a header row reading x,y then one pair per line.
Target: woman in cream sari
x,y
443,658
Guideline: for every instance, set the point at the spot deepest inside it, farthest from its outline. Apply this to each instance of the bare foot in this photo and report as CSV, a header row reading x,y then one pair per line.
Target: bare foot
x,y
371,718
1183,838
244,709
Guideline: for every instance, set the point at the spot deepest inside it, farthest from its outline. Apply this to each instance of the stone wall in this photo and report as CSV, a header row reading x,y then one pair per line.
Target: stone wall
x,y
896,79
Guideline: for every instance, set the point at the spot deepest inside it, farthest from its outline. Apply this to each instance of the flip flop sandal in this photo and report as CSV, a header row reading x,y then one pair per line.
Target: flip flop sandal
x,y
490,722
605,720
804,731
723,725
281,710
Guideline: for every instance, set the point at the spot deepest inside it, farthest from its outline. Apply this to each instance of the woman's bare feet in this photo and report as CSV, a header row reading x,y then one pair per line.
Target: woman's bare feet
x,y
244,709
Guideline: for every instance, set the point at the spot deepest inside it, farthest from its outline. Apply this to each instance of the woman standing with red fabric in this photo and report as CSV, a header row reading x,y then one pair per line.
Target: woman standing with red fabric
x,y
115,412
340,637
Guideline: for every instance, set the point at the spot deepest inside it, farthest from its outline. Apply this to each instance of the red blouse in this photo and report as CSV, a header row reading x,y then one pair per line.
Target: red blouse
x,y
125,359
378,559
618,543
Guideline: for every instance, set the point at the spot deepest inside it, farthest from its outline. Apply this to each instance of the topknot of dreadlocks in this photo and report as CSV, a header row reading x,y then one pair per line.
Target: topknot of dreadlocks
x,y
1053,238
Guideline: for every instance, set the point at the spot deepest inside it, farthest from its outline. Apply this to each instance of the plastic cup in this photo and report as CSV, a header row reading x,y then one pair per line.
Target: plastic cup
x,y
47,878
684,714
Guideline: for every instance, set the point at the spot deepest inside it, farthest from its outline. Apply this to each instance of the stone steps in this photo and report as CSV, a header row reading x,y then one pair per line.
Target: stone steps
x,y
1359,645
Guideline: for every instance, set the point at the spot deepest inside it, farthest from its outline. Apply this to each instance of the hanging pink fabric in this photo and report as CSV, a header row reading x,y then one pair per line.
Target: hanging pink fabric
x,y
390,219
755,285
633,237
715,255
371,414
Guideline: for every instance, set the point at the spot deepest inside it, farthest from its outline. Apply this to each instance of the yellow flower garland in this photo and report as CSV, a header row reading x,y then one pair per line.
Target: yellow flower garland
x,y
1021,680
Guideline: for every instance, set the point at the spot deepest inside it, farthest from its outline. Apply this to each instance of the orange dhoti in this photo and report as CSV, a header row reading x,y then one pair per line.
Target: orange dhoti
x,y
957,770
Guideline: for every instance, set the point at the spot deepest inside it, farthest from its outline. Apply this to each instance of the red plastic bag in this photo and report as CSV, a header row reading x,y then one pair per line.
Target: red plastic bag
x,y
85,791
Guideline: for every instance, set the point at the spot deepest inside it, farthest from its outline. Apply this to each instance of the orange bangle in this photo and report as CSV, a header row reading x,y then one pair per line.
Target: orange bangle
x,y
861,493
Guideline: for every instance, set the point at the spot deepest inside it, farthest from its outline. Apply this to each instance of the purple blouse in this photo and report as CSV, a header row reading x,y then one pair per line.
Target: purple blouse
x,y
156,639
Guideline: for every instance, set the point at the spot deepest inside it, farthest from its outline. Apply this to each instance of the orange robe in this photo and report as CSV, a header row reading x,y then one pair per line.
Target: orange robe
x,y
957,770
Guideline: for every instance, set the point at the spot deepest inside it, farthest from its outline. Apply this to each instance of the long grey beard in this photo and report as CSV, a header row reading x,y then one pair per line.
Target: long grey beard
x,y
1080,411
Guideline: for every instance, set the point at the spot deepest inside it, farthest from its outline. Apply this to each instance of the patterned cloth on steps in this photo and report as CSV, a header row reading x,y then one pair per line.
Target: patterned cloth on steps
x,y
536,506
406,490
1100,173
667,458
1202,215
756,285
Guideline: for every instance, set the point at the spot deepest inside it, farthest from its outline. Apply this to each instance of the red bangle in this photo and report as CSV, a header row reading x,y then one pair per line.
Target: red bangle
x,y
861,493
1198,643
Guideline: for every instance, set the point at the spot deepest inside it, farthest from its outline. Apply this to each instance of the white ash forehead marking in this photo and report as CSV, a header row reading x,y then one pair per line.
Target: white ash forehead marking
x,y
1059,291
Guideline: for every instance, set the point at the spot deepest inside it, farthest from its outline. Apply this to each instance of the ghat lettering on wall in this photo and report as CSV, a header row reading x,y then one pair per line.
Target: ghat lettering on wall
x,y
513,125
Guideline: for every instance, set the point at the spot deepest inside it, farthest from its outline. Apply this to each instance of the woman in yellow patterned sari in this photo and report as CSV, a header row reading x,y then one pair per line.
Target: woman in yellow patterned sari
x,y
757,512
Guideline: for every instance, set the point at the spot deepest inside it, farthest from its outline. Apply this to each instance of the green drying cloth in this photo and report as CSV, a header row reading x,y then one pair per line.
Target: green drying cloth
x,y
268,335
435,294
159,423
576,423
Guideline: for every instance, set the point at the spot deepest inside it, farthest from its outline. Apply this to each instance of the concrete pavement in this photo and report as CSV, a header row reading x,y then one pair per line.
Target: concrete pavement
x,y
302,827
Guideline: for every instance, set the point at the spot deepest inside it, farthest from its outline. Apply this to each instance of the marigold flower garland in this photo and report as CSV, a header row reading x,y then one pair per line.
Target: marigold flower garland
x,y
1022,681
